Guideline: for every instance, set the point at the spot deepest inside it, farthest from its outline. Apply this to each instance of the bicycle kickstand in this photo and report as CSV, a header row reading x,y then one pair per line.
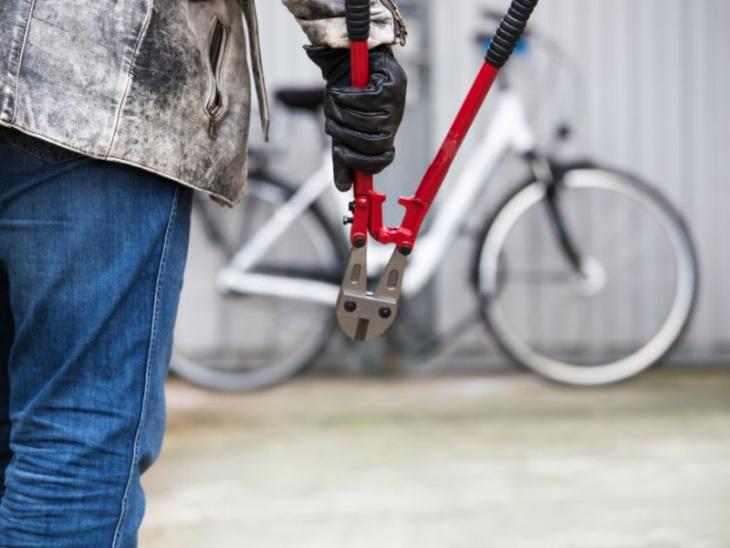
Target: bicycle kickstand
x,y
364,315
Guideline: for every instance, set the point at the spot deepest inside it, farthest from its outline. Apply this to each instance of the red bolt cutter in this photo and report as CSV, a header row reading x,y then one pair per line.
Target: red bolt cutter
x,y
365,315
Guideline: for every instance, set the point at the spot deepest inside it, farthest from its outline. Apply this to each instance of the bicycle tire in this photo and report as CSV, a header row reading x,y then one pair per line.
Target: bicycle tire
x,y
604,356
227,360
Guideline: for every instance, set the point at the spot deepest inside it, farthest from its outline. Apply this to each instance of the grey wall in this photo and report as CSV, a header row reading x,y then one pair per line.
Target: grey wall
x,y
656,87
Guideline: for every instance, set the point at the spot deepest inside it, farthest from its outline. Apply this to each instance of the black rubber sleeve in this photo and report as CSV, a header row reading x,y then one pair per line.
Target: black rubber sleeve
x,y
509,32
358,19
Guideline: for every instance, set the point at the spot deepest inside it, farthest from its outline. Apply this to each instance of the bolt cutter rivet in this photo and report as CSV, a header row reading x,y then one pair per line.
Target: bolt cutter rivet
x,y
406,250
385,312
350,306
359,242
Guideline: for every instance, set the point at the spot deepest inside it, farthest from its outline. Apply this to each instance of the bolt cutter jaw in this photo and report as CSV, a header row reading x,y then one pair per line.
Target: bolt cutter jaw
x,y
364,315
366,321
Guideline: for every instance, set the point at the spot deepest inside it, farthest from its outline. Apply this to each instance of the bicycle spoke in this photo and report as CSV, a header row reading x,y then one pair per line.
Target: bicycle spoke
x,y
595,318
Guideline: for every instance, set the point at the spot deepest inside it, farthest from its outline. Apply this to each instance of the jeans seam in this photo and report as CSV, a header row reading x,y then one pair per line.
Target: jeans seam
x,y
148,366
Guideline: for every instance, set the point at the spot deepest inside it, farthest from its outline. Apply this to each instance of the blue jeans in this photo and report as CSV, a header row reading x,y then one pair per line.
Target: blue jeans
x,y
91,265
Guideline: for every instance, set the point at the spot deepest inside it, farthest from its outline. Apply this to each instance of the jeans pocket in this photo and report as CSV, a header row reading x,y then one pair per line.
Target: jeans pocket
x,y
43,150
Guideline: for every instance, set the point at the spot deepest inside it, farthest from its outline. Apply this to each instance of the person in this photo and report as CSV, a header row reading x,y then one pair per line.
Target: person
x,y
112,113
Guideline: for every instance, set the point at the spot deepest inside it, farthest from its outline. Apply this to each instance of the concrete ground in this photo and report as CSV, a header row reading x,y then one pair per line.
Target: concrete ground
x,y
502,461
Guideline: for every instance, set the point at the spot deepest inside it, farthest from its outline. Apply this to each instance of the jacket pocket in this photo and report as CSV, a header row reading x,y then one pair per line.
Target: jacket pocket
x,y
216,104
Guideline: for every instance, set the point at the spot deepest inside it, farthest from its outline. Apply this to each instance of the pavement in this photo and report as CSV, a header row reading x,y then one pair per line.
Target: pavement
x,y
500,460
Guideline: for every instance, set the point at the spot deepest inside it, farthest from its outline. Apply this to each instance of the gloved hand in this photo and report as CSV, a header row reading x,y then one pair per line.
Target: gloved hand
x,y
361,122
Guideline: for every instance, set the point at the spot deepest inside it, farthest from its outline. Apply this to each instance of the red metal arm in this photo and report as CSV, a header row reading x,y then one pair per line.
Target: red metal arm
x,y
368,214
360,66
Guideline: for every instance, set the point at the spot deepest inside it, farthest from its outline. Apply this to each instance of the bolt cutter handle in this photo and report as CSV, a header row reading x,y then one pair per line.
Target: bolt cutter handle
x,y
362,314
358,30
357,16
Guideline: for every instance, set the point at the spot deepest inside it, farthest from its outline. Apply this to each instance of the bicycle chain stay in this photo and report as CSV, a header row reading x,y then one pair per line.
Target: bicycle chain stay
x,y
364,315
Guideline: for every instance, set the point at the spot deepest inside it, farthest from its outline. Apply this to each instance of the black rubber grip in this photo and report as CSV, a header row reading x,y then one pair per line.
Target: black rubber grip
x,y
509,32
358,20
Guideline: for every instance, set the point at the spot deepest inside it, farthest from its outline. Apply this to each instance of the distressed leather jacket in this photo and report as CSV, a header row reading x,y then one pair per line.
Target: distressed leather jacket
x,y
163,85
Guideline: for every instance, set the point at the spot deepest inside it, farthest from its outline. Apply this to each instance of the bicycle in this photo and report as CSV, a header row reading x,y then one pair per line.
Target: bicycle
x,y
553,254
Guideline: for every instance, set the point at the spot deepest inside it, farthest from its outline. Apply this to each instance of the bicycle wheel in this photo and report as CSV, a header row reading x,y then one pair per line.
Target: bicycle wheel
x,y
616,315
235,341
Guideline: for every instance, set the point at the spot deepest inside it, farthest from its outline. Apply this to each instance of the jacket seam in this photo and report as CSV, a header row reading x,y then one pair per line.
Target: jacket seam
x,y
161,270
140,39
20,61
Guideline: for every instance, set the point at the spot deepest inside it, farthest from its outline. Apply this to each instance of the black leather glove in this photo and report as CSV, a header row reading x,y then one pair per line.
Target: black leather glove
x,y
361,122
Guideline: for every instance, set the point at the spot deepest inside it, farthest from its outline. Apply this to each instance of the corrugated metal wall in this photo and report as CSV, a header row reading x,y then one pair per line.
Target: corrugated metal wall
x,y
656,85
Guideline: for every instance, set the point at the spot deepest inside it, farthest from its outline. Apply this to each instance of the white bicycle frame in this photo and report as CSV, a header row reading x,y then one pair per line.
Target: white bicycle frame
x,y
509,131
